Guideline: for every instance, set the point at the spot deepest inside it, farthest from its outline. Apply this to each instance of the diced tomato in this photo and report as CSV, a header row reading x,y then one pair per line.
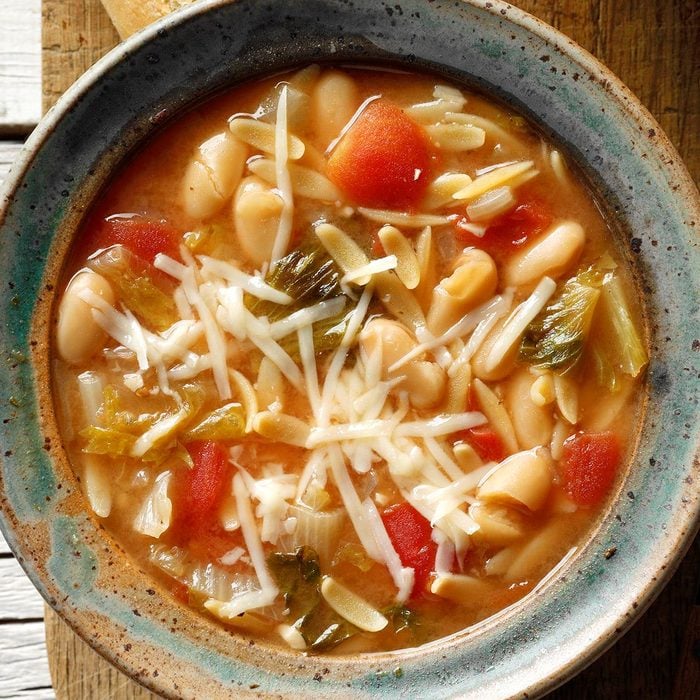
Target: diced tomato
x,y
142,236
383,160
510,231
589,465
486,442
200,491
410,533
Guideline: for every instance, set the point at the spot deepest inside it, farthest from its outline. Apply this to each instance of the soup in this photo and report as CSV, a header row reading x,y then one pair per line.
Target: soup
x,y
347,359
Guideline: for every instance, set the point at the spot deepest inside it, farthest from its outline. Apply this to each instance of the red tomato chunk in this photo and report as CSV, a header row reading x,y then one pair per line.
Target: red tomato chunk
x,y
143,237
201,490
486,442
589,466
512,230
410,533
383,160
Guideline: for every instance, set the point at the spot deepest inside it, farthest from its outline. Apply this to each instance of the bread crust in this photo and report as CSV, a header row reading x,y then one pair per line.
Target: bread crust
x,y
128,16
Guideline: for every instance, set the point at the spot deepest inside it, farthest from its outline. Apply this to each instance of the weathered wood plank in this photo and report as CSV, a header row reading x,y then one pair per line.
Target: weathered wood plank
x,y
20,62
654,47
19,600
79,673
8,152
24,668
75,33
4,547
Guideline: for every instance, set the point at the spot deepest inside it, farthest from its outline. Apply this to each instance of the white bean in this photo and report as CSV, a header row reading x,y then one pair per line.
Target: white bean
x,y
423,381
532,423
256,212
552,255
334,101
472,282
213,174
497,523
523,478
78,337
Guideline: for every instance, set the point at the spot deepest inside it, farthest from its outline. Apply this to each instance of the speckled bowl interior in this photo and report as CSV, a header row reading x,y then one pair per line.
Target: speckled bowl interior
x,y
491,46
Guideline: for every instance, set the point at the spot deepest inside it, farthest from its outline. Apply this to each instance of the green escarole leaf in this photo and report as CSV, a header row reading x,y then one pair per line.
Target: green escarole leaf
x,y
308,275
556,338
139,286
402,618
224,423
120,428
298,576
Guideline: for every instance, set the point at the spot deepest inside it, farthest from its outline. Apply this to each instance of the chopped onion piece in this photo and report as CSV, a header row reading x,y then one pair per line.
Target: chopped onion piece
x,y
154,517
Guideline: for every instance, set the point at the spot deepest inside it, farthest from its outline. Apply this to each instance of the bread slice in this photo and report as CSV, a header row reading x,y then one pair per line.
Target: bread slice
x,y
129,16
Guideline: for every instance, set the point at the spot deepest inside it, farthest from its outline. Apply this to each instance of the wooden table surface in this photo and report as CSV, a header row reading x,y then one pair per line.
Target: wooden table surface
x,y
653,45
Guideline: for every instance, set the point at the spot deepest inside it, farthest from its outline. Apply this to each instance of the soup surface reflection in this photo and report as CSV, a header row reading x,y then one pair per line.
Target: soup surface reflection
x,y
347,359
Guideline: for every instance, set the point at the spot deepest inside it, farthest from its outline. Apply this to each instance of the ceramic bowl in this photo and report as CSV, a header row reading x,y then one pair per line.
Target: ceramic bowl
x,y
491,46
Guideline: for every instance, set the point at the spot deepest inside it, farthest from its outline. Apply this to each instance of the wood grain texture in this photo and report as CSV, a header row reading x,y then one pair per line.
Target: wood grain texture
x,y
20,56
75,33
79,673
653,46
131,15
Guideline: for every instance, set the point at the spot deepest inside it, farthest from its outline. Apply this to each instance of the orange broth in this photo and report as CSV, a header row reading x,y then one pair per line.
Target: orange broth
x,y
470,575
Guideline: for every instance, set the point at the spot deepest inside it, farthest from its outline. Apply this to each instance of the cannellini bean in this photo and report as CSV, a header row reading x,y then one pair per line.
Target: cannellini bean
x,y
423,381
497,416
78,337
334,101
460,588
539,553
551,256
532,423
497,523
395,243
256,212
212,175
472,282
480,365
523,478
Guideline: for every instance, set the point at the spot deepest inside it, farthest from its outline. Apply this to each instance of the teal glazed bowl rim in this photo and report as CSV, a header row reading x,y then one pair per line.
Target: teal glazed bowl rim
x,y
190,55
